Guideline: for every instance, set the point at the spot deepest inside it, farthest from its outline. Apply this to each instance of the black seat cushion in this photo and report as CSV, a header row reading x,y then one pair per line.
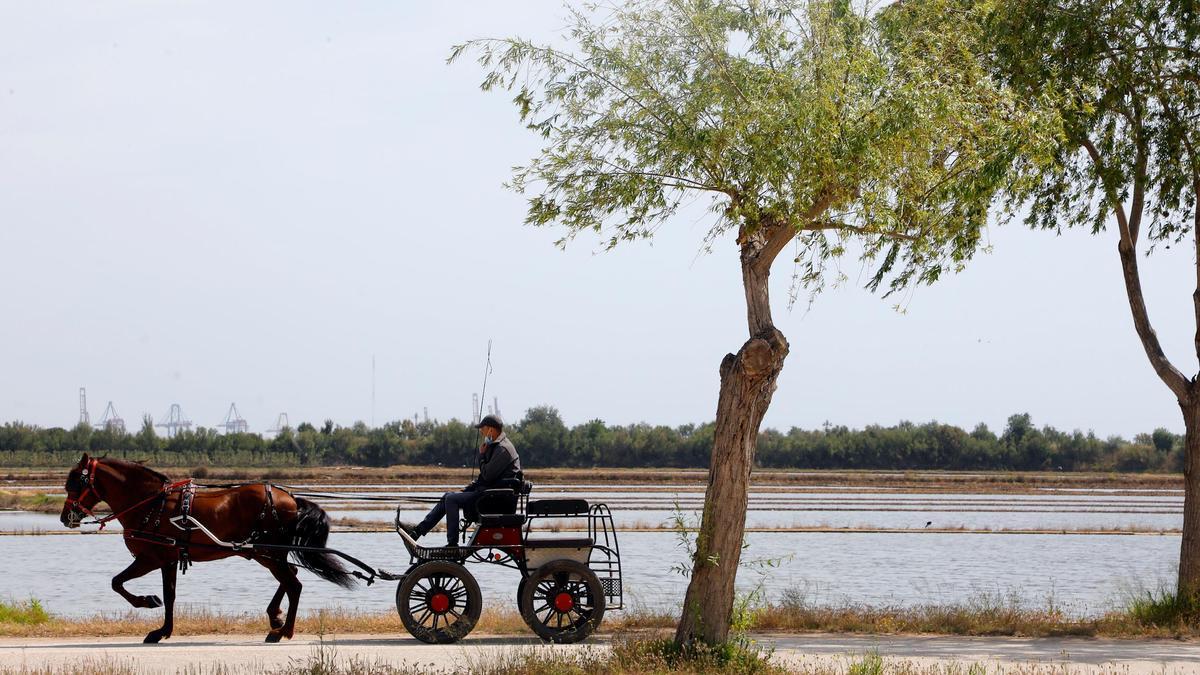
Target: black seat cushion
x,y
557,507
558,542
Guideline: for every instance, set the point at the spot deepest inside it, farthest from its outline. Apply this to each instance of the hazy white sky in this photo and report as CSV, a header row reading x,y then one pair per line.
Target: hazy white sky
x,y
213,202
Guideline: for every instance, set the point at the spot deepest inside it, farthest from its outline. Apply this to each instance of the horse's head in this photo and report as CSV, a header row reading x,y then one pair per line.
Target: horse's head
x,y
81,492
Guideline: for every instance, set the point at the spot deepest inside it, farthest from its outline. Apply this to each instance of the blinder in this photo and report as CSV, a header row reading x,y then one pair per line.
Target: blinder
x,y
79,487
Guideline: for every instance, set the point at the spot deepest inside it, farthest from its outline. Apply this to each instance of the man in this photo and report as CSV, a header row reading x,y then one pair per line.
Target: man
x,y
498,464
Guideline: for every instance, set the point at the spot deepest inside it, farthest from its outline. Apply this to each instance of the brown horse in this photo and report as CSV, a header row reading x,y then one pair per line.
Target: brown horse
x,y
148,506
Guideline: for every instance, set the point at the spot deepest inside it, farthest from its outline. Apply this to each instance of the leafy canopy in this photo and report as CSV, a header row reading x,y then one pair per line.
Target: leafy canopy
x,y
1124,78
838,122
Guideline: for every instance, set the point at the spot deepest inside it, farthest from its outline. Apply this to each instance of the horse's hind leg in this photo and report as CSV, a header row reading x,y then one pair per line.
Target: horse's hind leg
x,y
168,577
139,567
286,574
273,614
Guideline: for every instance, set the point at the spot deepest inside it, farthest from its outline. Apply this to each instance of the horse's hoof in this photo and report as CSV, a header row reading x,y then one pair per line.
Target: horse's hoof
x,y
151,601
153,637
273,636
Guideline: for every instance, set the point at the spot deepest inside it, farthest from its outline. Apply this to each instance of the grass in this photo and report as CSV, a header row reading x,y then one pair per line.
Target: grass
x,y
23,613
986,614
1152,615
24,501
1166,610
203,622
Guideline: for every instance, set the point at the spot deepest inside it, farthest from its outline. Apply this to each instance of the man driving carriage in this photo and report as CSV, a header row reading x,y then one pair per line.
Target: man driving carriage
x,y
499,466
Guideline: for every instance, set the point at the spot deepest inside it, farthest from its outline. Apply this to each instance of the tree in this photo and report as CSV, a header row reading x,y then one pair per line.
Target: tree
x,y
1122,77
808,123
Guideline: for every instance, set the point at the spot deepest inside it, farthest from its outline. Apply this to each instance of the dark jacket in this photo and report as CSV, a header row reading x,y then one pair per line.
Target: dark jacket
x,y
498,464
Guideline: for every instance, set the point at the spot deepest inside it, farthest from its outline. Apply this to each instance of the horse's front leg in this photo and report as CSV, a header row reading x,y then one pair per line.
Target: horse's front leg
x,y
168,578
139,567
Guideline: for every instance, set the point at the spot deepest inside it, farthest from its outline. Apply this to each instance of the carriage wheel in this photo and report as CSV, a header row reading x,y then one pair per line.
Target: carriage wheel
x,y
521,596
562,601
439,602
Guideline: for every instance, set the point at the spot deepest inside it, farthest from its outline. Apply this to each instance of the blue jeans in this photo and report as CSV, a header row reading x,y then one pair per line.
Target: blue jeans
x,y
449,506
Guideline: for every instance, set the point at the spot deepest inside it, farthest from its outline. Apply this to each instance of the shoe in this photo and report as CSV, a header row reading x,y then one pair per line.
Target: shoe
x,y
411,530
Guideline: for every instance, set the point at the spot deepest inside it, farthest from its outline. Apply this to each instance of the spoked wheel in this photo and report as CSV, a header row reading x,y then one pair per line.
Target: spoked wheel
x,y
562,601
439,602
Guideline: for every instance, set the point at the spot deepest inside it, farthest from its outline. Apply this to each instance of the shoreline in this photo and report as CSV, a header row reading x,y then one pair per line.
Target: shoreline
x,y
395,477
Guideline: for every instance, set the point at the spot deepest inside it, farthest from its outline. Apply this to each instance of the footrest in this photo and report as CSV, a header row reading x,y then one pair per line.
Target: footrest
x,y
441,553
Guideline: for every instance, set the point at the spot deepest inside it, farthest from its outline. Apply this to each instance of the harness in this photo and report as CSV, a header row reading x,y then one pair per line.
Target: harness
x,y
153,518
184,521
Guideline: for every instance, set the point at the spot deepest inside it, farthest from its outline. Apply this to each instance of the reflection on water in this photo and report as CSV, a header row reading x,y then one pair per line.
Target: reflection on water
x,y
1083,573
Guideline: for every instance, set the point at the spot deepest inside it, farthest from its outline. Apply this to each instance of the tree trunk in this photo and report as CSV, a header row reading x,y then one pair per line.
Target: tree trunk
x,y
1189,550
747,384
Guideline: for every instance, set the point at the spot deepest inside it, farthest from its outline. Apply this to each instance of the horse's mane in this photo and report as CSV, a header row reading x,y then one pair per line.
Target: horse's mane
x,y
126,464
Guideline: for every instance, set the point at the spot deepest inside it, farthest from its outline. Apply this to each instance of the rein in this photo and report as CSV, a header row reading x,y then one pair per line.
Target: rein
x,y
296,492
166,490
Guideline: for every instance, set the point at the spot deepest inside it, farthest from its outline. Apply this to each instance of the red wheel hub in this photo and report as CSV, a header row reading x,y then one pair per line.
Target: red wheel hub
x,y
563,602
440,602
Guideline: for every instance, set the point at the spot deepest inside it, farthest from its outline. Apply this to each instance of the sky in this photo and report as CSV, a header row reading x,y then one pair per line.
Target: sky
x,y
206,203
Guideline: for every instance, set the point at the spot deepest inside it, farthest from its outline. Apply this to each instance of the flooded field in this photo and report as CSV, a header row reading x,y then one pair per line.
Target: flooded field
x,y
1081,573
1084,574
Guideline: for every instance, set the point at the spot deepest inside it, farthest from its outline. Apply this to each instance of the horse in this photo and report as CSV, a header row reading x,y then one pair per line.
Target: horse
x,y
167,526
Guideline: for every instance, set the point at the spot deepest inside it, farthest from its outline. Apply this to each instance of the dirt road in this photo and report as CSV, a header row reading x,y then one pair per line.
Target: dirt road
x,y
248,654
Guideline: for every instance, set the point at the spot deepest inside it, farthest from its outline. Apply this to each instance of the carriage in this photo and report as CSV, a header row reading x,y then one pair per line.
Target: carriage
x,y
567,582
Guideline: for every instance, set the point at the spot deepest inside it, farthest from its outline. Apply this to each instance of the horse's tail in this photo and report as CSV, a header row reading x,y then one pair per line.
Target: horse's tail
x,y
312,530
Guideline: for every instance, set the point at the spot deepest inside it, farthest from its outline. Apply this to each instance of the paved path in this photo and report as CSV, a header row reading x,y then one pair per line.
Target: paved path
x,y
249,654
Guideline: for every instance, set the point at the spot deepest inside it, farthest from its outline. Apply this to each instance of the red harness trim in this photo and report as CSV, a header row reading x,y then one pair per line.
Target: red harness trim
x,y
87,475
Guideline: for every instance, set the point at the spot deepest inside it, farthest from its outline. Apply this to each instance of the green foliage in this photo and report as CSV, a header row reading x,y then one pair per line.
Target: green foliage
x,y
29,612
544,441
870,663
841,126
738,656
1122,78
1165,609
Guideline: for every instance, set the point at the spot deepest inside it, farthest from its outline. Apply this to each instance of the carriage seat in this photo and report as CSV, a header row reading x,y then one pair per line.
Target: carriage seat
x,y
497,508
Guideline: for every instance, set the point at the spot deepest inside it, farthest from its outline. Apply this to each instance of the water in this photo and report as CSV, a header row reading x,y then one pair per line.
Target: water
x,y
1085,574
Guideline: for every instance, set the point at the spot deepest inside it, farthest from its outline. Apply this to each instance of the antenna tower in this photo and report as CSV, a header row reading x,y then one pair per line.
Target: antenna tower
x,y
234,424
174,422
84,418
111,421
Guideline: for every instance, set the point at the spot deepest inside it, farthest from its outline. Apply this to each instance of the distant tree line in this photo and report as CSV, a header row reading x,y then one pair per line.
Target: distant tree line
x,y
544,441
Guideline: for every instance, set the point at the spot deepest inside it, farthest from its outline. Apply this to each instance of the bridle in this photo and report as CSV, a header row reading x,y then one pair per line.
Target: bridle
x,y
87,475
